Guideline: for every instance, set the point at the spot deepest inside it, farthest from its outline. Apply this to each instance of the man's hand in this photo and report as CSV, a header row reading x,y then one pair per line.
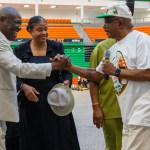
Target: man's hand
x,y
66,82
97,116
69,63
108,68
57,58
60,62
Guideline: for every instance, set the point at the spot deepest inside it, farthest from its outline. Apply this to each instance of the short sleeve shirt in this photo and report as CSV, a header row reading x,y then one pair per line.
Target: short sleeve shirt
x,y
107,96
132,52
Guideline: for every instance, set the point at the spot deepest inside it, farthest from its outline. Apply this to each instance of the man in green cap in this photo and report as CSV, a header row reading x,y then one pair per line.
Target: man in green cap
x,y
129,68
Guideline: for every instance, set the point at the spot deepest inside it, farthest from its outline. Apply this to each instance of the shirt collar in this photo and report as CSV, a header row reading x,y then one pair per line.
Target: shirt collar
x,y
49,48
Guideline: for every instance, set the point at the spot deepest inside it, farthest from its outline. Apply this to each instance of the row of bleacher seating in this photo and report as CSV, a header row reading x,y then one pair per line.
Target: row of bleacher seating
x,y
99,33
145,29
62,32
95,33
52,25
51,20
53,32
68,31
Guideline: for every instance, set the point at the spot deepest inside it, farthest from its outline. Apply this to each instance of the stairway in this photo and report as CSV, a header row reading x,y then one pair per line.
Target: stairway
x,y
82,34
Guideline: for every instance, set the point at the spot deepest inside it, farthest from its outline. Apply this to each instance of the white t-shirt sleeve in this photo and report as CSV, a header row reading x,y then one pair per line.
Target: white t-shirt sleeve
x,y
99,67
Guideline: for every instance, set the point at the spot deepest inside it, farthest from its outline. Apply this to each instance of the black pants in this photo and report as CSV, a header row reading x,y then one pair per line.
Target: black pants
x,y
12,143
12,136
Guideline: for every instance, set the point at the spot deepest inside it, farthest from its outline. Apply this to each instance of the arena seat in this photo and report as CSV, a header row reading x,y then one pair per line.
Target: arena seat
x,y
50,20
60,25
24,25
61,20
54,32
62,32
23,33
25,20
95,33
145,29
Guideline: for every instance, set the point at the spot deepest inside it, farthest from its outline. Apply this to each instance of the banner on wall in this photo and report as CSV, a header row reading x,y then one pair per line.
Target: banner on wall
x,y
72,40
68,40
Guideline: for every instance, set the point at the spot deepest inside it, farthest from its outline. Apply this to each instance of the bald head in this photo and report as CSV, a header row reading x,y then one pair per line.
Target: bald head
x,y
4,11
10,22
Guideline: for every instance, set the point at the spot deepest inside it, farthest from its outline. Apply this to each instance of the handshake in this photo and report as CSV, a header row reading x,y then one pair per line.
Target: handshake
x,y
60,62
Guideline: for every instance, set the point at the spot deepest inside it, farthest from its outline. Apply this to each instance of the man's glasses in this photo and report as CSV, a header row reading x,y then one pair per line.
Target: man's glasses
x,y
110,21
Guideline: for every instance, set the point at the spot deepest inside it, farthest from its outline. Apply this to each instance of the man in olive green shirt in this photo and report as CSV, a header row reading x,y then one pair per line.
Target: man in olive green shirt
x,y
106,112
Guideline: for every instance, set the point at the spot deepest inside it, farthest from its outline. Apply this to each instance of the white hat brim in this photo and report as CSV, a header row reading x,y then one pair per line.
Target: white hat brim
x,y
69,108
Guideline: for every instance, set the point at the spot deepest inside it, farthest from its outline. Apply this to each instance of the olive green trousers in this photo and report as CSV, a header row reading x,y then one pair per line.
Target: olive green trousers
x,y
112,129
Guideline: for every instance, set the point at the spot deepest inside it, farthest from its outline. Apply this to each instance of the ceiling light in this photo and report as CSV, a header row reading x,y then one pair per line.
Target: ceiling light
x,y
78,7
53,6
26,6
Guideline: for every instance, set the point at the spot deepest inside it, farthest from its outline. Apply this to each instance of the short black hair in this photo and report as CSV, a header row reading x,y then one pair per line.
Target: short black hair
x,y
34,20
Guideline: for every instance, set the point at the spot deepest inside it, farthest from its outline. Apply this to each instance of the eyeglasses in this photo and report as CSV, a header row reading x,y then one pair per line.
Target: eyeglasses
x,y
110,21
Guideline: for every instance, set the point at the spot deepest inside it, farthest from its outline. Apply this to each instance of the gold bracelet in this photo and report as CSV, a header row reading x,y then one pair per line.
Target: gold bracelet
x,y
94,104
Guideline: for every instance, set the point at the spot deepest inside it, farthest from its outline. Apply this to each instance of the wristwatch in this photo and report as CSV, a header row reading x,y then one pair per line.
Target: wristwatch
x,y
117,72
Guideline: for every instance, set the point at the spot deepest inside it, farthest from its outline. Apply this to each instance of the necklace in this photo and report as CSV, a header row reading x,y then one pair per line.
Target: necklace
x,y
38,51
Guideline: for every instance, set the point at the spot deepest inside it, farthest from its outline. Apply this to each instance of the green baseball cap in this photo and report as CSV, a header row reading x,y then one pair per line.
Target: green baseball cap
x,y
118,10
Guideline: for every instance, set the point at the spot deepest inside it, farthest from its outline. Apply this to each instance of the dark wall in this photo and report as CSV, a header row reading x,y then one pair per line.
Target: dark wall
x,y
130,4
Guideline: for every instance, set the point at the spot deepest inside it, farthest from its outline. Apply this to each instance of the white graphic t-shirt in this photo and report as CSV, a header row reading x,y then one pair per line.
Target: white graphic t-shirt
x,y
132,52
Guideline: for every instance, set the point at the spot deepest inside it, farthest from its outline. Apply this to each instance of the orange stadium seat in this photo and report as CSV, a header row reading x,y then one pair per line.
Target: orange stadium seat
x,y
62,32
23,33
95,33
145,29
51,20
24,25
54,32
60,25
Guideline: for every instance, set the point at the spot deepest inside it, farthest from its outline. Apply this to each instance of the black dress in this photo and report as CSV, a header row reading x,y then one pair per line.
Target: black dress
x,y
40,128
